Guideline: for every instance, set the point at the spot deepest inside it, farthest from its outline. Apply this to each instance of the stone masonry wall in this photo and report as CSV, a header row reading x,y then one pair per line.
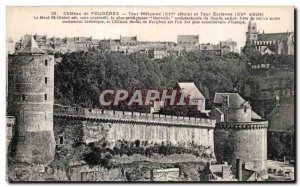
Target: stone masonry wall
x,y
96,125
96,173
75,131
30,100
248,144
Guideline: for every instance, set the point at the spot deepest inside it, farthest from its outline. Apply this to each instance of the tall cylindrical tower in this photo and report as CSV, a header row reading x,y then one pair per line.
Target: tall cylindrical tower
x,y
30,100
242,140
240,134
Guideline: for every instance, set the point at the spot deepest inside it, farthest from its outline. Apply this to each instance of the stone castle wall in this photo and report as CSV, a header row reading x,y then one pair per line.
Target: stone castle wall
x,y
86,113
171,174
96,125
96,173
150,133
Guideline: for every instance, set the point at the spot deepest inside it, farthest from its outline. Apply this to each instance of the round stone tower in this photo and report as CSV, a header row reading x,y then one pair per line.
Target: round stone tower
x,y
240,133
30,100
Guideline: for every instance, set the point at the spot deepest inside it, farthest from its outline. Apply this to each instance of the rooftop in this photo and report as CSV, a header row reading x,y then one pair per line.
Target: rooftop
x,y
274,36
189,36
30,46
189,88
235,100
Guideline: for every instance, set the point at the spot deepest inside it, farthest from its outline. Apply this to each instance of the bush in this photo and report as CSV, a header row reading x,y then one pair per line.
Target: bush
x,y
102,156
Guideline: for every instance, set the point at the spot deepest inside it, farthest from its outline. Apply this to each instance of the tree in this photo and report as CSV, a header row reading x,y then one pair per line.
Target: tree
x,y
81,76
275,147
251,53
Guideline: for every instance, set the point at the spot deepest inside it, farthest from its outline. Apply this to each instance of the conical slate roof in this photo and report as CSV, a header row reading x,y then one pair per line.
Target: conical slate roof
x,y
235,100
30,46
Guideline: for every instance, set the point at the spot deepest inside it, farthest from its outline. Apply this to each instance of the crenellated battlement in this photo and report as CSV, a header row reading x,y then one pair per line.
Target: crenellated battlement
x,y
243,125
130,117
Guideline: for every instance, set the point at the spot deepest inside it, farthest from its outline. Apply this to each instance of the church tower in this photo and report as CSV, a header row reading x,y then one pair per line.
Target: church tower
x,y
30,100
251,34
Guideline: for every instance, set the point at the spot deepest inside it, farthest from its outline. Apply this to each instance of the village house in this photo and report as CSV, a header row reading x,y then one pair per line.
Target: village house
x,y
228,46
191,90
189,42
210,48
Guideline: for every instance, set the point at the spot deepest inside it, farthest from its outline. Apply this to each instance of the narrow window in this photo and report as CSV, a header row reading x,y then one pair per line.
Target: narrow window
x,y
245,109
46,62
45,97
23,97
61,140
46,80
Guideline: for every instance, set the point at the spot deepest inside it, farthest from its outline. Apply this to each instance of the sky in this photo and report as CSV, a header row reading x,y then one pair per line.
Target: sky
x,y
19,21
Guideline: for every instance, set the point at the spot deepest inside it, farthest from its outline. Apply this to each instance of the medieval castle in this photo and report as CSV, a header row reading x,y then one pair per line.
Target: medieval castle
x,y
37,127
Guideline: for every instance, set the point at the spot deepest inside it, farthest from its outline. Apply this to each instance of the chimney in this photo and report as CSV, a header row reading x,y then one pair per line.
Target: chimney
x,y
225,106
151,175
239,169
225,101
223,172
208,164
